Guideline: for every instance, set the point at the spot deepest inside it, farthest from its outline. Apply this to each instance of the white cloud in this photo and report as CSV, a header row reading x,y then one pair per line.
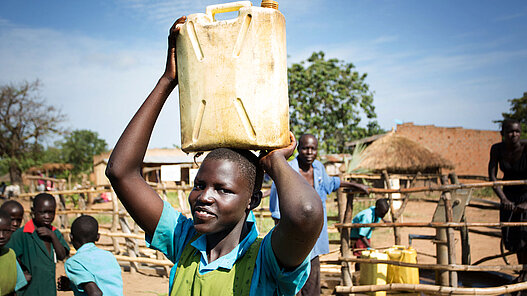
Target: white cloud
x,y
98,83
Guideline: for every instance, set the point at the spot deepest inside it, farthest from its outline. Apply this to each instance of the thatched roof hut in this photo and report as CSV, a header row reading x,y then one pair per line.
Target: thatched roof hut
x,y
398,154
49,168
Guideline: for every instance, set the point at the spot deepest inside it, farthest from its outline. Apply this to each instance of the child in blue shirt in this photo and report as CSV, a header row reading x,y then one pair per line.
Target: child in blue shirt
x,y
91,271
217,252
361,237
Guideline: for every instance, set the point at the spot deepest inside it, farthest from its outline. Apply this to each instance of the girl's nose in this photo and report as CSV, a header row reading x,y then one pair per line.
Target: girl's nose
x,y
206,196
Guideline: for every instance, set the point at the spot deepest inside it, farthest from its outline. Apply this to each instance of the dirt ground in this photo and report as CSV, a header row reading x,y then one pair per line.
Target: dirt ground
x,y
148,282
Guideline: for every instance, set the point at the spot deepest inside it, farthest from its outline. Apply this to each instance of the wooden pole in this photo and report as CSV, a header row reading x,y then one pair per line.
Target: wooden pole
x,y
115,222
131,244
449,216
432,289
431,224
450,187
345,202
448,267
397,236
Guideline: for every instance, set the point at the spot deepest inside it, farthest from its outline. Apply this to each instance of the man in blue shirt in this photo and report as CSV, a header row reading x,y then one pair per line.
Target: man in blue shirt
x,y
315,174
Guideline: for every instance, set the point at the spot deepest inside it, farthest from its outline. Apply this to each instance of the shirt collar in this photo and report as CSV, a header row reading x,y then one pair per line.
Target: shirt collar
x,y
30,227
86,247
226,261
318,167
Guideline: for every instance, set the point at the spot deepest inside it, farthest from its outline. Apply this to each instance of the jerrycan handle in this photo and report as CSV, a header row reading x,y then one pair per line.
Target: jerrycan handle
x,y
212,10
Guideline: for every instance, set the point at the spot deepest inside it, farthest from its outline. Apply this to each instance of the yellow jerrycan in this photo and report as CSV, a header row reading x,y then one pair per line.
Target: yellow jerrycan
x,y
402,274
233,79
373,274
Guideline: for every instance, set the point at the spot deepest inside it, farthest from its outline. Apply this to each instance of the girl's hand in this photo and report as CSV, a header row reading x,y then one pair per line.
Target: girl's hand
x,y
170,68
266,159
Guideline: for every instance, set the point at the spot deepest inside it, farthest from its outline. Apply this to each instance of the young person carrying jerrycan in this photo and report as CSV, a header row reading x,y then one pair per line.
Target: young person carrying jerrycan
x,y
218,252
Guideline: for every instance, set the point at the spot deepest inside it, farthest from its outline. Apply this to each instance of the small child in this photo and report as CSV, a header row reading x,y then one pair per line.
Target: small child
x,y
218,252
91,271
361,237
38,245
16,210
11,276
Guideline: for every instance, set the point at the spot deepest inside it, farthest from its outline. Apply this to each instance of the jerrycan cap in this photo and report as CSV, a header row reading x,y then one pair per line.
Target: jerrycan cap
x,y
269,4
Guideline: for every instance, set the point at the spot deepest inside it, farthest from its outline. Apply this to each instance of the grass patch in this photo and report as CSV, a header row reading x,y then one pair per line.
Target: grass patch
x,y
485,192
102,219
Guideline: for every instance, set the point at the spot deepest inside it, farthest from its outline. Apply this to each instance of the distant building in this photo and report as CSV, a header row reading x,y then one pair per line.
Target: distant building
x,y
171,165
467,149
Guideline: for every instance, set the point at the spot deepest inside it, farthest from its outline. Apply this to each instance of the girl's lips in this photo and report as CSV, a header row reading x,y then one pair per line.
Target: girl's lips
x,y
203,215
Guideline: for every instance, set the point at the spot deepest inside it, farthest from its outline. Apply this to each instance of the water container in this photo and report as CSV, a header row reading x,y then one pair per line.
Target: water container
x,y
402,274
233,79
373,274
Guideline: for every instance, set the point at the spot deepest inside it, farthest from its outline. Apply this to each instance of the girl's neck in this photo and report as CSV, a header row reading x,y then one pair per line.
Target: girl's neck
x,y
221,244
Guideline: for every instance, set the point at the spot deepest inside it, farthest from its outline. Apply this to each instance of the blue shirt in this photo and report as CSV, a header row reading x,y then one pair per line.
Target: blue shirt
x,y
364,217
20,277
91,264
174,231
324,185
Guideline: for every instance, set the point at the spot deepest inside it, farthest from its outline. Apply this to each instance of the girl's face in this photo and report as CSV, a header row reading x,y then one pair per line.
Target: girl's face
x,y
220,198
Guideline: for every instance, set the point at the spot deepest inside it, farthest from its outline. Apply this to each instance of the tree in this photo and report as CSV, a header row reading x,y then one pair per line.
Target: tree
x,y
327,99
518,111
25,122
79,147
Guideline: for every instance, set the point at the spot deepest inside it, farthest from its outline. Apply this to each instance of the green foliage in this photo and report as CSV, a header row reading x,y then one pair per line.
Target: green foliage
x,y
79,147
356,158
518,111
327,99
26,121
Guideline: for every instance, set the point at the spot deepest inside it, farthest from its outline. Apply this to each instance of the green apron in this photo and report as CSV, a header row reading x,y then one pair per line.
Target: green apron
x,y
236,281
7,271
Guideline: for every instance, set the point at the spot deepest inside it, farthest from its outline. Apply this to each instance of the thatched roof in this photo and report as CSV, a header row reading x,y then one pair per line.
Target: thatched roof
x,y
50,167
398,154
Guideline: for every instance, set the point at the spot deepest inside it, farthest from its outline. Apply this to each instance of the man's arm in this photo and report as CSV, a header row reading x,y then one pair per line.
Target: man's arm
x,y
124,166
301,213
493,172
365,241
355,186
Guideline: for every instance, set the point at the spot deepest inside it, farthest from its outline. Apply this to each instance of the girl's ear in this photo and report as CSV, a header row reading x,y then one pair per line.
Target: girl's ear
x,y
256,198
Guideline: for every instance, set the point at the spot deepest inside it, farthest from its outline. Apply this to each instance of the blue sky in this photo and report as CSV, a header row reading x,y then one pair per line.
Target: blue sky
x,y
448,63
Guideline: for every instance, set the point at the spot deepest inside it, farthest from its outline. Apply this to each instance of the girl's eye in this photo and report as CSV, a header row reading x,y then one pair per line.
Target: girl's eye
x,y
223,190
199,186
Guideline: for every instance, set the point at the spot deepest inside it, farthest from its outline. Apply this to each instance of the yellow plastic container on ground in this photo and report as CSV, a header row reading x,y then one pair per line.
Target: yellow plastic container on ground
x,y
401,274
233,79
373,274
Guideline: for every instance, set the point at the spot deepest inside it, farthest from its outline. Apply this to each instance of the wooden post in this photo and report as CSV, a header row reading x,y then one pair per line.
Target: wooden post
x,y
115,222
450,232
61,203
344,204
131,244
396,234
463,231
